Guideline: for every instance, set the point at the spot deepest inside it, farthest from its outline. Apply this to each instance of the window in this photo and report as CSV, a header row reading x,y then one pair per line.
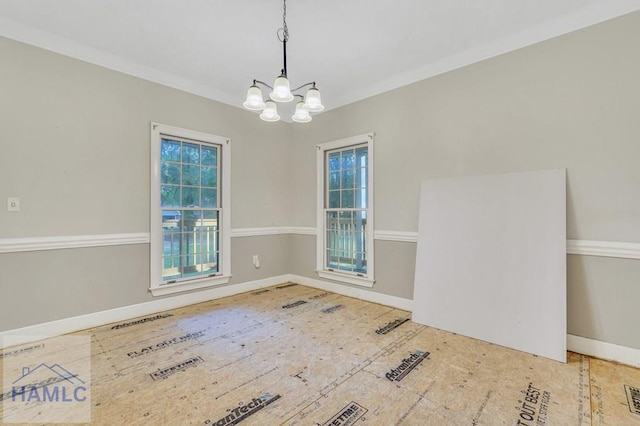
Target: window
x,y
190,224
345,210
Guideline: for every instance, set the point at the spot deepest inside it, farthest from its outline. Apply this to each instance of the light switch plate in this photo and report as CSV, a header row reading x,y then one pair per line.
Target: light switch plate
x,y
13,204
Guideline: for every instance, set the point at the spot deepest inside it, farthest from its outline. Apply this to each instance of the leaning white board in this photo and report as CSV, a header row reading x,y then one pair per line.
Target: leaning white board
x,y
491,259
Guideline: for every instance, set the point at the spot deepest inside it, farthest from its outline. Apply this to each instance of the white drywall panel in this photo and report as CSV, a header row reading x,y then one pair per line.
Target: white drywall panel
x,y
491,259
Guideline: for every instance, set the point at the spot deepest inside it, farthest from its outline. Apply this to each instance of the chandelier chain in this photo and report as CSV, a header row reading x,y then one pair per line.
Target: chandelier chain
x,y
283,33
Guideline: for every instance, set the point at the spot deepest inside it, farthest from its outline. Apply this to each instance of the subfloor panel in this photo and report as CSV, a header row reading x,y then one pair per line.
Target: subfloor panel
x,y
294,355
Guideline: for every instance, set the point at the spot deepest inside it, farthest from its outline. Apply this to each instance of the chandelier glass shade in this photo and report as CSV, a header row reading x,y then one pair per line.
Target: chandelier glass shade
x,y
302,114
270,112
281,89
254,100
312,101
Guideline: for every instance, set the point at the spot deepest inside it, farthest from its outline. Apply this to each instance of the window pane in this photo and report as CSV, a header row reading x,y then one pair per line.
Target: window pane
x,y
361,178
169,196
360,263
209,156
332,259
361,199
358,241
212,216
209,197
171,220
188,216
334,199
190,175
347,199
171,242
346,242
189,250
176,244
190,153
334,180
209,245
346,262
190,196
170,173
170,150
348,158
347,179
189,268
172,271
332,220
362,157
334,161
210,264
209,176
166,244
345,217
214,243
332,239
200,241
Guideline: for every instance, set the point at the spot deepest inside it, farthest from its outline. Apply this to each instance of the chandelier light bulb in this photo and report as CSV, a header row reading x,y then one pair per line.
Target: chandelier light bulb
x,y
270,112
312,101
254,100
301,115
281,90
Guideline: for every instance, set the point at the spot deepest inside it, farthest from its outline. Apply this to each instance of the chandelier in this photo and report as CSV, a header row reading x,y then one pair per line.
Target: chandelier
x,y
281,90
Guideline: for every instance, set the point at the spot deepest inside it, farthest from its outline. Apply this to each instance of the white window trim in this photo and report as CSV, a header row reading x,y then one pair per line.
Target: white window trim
x,y
368,280
156,287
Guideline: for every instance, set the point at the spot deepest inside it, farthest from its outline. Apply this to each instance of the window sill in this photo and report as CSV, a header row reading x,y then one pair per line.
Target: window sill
x,y
346,278
179,287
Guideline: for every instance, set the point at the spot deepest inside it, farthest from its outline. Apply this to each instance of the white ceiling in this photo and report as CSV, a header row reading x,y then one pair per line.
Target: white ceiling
x,y
352,48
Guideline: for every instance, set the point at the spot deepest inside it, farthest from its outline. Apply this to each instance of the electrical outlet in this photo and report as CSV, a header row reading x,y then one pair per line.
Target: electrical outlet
x,y
13,204
256,261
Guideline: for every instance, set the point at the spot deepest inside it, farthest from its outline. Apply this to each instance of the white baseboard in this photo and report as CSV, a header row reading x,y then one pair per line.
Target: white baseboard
x,y
82,322
581,345
604,350
369,296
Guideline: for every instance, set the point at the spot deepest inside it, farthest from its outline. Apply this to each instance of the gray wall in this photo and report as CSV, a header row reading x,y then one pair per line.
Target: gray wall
x,y
74,141
75,148
572,102
41,286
